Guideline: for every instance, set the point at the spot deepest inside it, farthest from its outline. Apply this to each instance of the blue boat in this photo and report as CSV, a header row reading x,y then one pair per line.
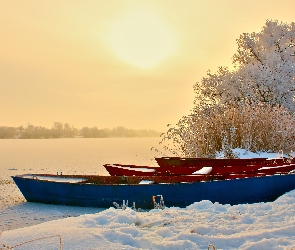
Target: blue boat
x,y
102,191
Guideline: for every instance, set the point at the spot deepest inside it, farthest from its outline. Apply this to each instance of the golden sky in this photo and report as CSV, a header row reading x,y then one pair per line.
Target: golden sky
x,y
115,63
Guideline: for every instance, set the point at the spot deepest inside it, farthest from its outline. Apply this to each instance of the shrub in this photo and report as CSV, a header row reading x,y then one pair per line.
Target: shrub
x,y
213,129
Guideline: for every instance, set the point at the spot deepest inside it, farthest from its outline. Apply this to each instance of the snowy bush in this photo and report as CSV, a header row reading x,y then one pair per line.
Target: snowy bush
x,y
253,127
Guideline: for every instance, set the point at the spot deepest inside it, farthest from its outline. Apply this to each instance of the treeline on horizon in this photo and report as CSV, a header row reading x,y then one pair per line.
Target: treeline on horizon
x,y
64,130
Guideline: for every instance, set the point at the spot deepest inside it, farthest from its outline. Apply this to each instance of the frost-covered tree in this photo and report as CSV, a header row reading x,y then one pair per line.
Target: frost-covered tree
x,y
264,70
251,106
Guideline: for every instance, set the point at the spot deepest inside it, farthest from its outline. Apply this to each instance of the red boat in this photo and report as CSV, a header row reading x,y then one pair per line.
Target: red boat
x,y
133,170
189,162
208,177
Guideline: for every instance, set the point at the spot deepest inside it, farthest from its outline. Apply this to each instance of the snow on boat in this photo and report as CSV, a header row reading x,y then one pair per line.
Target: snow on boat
x,y
180,191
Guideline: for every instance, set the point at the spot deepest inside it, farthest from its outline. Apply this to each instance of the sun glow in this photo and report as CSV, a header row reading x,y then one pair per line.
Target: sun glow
x,y
141,38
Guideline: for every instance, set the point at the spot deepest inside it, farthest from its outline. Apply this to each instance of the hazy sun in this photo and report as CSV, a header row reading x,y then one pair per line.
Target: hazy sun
x,y
141,38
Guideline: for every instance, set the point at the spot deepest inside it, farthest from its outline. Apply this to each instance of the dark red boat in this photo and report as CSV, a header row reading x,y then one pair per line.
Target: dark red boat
x,y
203,162
133,170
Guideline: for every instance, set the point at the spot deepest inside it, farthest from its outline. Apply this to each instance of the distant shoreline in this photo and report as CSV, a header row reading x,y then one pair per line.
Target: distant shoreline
x,y
60,130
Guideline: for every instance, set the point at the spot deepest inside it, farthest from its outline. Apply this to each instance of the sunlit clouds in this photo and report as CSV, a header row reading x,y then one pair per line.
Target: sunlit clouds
x,y
141,38
130,63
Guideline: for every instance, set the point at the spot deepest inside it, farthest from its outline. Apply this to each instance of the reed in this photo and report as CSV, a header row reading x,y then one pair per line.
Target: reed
x,y
257,128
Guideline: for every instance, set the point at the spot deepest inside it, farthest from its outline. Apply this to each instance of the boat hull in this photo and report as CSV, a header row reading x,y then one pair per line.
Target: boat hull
x,y
236,191
203,162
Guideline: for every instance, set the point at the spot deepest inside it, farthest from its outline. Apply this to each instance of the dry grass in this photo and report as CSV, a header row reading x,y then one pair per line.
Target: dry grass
x,y
215,129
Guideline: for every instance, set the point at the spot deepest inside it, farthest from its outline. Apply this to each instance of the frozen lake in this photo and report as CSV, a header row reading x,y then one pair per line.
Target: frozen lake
x,y
69,156
73,156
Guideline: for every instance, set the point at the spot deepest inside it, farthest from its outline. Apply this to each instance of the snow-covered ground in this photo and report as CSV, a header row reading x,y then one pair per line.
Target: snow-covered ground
x,y
198,226
256,226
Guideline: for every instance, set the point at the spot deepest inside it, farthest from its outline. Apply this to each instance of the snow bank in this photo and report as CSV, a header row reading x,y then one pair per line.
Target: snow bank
x,y
254,226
